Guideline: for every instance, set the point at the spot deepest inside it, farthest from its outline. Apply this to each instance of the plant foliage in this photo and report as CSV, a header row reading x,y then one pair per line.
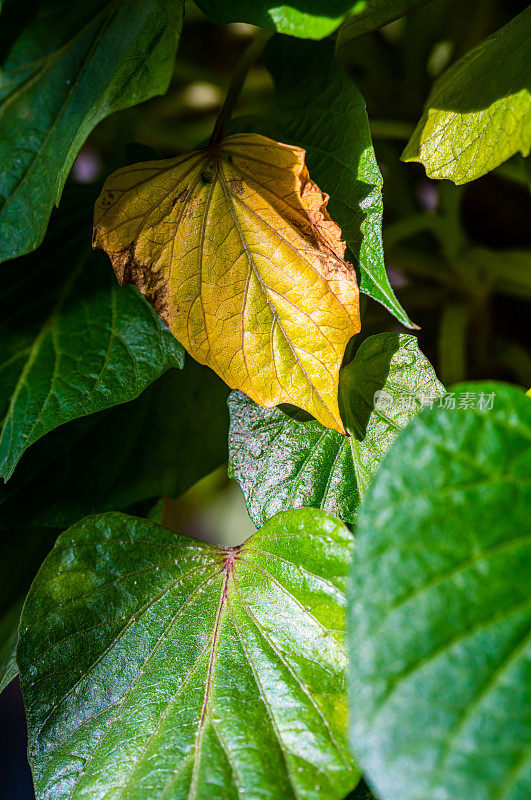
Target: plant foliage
x,y
193,465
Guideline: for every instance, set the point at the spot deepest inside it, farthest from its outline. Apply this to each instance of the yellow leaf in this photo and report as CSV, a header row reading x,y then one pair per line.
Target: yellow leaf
x,y
234,248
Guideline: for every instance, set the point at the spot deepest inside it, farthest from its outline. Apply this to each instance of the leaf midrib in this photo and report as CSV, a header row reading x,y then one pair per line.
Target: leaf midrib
x,y
7,468
254,270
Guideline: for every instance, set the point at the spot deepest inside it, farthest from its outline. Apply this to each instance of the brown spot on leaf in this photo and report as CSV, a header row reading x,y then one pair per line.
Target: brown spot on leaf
x,y
236,185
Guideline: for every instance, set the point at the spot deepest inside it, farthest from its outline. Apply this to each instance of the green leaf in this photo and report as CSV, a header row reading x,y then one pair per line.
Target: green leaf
x,y
160,444
154,665
283,461
440,615
366,15
316,106
309,19
71,341
479,112
8,645
361,792
22,551
73,65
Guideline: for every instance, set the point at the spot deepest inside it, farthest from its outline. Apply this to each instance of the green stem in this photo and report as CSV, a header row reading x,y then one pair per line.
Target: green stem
x,y
247,60
452,342
409,226
453,240
391,129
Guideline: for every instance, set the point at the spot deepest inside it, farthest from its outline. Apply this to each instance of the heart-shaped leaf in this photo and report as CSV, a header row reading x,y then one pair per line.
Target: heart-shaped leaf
x,y
440,617
282,462
234,248
157,666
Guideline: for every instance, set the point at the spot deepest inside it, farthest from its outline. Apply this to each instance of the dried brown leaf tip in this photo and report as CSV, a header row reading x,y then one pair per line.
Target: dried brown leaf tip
x,y
234,248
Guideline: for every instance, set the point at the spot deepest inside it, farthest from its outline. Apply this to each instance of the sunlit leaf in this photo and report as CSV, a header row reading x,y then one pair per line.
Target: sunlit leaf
x,y
234,248
282,462
479,112
309,19
157,666
440,611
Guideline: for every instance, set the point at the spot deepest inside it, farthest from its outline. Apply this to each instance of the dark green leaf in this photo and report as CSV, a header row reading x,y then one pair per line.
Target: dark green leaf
x,y
309,19
440,614
316,106
283,462
72,65
159,444
154,665
479,112
21,554
8,645
71,341
370,14
361,792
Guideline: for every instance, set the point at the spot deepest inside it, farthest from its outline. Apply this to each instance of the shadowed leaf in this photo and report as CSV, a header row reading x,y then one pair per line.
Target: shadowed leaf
x,y
71,341
171,436
71,65
370,14
316,105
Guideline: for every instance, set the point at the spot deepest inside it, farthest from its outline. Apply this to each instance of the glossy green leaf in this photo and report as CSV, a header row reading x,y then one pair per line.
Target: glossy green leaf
x,y
283,461
159,444
72,65
71,341
479,112
317,107
440,612
366,15
308,19
154,665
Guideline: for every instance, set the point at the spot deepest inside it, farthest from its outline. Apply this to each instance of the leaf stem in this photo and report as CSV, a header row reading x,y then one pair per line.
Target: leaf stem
x,y
409,226
453,330
391,129
247,60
